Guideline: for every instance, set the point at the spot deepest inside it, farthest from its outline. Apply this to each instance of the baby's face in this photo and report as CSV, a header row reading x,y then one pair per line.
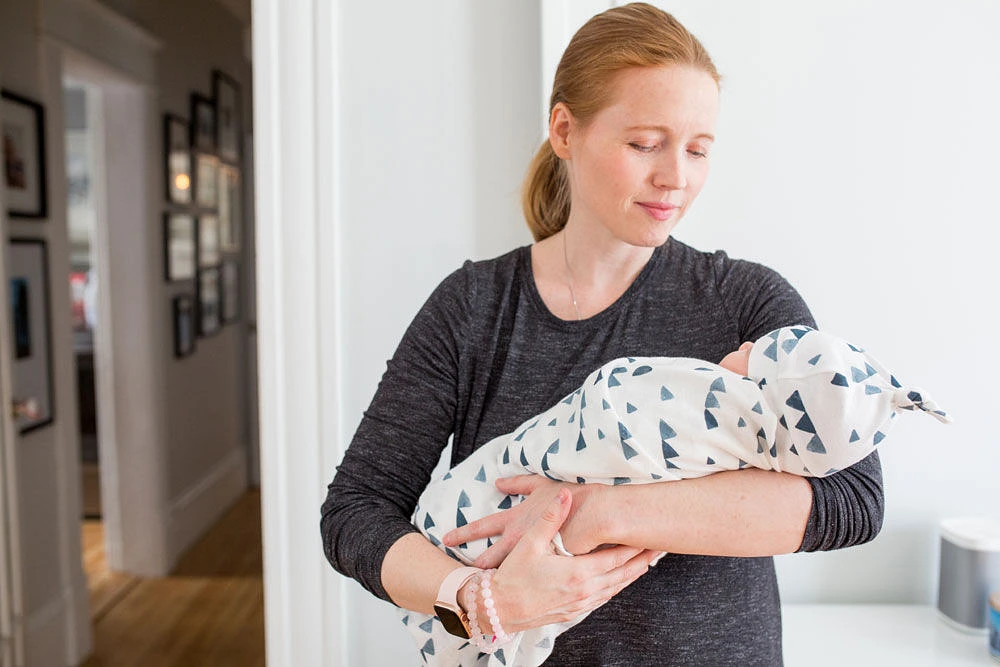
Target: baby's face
x,y
738,361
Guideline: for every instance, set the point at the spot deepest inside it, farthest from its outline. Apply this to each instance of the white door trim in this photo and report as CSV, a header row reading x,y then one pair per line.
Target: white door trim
x,y
295,116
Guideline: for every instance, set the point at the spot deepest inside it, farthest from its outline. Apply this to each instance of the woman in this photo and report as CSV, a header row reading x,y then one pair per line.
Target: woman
x,y
631,127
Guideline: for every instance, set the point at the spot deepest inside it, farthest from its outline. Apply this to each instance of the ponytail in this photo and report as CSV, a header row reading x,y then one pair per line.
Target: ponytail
x,y
545,195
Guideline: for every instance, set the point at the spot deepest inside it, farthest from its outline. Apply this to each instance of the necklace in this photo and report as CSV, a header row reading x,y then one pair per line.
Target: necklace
x,y
569,278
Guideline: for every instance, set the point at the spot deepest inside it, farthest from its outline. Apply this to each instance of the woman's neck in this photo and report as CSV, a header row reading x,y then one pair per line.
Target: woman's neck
x,y
594,270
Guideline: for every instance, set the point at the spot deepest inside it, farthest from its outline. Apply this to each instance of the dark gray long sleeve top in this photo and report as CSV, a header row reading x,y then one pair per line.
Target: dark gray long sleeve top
x,y
484,354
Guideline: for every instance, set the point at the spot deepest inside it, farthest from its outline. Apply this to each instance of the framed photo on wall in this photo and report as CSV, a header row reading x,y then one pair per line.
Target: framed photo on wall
x,y
208,301
230,217
184,325
230,291
177,151
180,246
227,115
24,156
202,123
208,241
32,337
207,181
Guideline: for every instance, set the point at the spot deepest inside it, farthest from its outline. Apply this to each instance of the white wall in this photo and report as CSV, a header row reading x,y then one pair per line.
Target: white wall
x,y
856,154
439,119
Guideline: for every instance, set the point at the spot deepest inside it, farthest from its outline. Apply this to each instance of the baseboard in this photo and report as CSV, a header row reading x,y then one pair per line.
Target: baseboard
x,y
46,633
203,503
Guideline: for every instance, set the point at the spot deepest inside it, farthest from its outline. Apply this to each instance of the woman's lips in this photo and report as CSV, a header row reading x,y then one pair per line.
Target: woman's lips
x,y
659,211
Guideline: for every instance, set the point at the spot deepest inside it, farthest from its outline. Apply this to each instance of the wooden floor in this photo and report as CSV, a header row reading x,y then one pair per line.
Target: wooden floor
x,y
209,612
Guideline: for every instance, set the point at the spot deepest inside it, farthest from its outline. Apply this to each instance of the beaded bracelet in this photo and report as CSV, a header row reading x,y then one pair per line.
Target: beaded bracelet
x,y
487,643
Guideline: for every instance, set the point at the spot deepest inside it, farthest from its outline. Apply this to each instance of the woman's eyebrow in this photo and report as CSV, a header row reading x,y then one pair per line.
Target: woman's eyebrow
x,y
666,130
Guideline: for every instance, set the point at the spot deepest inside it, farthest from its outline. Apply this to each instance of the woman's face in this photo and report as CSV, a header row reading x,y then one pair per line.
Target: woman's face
x,y
638,165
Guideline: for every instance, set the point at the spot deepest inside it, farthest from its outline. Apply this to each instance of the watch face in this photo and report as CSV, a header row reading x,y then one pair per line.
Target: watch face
x,y
451,621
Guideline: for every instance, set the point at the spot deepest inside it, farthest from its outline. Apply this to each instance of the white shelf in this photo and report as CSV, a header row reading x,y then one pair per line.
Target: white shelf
x,y
821,635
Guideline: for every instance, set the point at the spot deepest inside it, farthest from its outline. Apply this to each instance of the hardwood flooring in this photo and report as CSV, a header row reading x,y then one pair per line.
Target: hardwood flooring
x,y
208,612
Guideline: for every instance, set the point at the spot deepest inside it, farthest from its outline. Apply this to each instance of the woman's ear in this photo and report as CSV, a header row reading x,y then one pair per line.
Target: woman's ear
x,y
561,121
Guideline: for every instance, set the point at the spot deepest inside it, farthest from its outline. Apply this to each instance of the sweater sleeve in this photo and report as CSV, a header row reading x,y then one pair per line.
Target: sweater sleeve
x,y
848,506
399,441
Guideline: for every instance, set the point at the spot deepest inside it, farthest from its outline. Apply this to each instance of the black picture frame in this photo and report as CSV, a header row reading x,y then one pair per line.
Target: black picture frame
x,y
180,246
209,321
179,181
203,129
228,121
28,268
24,177
230,285
185,332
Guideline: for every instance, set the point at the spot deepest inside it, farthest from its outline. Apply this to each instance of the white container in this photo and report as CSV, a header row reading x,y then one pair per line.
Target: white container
x,y
969,572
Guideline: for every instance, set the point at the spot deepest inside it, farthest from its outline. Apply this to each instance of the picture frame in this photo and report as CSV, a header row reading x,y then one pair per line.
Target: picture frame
x,y
230,208
177,159
28,269
228,107
24,177
230,308
184,326
209,321
180,246
202,123
208,241
206,182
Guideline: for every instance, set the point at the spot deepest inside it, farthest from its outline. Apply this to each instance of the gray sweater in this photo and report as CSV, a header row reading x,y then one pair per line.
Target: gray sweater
x,y
484,354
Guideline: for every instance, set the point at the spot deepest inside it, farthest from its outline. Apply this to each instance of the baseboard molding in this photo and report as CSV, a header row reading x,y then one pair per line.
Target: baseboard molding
x,y
46,633
202,504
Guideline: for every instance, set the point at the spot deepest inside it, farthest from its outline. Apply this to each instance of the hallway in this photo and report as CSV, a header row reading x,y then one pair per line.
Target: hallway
x,y
209,611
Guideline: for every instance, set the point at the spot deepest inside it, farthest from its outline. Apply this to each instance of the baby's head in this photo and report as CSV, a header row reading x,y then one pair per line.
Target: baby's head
x,y
738,361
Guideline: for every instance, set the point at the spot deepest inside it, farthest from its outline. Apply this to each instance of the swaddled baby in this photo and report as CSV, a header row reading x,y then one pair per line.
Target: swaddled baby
x,y
798,400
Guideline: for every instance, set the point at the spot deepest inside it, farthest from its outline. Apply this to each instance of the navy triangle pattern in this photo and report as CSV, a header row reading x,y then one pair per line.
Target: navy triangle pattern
x,y
741,423
506,503
481,475
600,434
569,399
613,381
815,360
816,445
447,475
524,459
709,461
583,401
572,418
553,448
427,625
718,385
858,375
629,408
711,401
871,389
623,432
506,455
668,451
795,401
879,435
622,480
839,380
665,394
463,500
628,451
789,344
771,352
605,405
428,648
756,408
553,422
581,443
642,370
428,522
666,433
793,450
854,436
710,421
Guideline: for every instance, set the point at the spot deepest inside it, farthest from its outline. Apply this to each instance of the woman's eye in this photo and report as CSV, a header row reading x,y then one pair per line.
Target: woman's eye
x,y
642,148
698,154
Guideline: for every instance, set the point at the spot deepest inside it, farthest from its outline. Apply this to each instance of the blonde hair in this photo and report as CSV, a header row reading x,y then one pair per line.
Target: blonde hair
x,y
635,35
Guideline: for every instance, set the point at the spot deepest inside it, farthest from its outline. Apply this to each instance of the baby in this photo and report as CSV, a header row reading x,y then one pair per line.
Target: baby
x,y
798,400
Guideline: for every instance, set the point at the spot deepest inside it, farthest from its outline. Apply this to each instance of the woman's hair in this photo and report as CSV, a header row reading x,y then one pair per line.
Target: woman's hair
x,y
636,35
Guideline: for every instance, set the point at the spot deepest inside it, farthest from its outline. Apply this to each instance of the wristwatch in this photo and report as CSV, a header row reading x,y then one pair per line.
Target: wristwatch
x,y
452,616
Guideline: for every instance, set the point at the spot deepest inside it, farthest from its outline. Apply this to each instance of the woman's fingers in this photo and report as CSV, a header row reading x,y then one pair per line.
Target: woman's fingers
x,y
520,485
488,526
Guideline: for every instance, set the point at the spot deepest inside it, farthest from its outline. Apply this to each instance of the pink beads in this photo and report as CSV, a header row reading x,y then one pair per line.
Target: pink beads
x,y
487,643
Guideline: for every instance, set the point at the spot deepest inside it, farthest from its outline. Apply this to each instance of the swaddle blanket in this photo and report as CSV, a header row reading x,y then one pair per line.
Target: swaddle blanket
x,y
813,404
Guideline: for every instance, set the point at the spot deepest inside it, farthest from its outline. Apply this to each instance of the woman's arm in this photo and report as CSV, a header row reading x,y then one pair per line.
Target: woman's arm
x,y
533,587
737,513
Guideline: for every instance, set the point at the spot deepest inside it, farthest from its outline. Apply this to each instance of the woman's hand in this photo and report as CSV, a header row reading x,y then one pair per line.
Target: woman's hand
x,y
580,532
535,587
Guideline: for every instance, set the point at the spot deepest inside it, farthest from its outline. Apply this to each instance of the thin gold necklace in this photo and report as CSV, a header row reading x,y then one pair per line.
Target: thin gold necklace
x,y
569,278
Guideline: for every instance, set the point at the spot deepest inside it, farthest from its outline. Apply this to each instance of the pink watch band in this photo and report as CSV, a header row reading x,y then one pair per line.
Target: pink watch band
x,y
448,591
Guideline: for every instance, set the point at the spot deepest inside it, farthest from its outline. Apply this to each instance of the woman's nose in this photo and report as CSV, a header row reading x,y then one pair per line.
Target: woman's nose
x,y
669,173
